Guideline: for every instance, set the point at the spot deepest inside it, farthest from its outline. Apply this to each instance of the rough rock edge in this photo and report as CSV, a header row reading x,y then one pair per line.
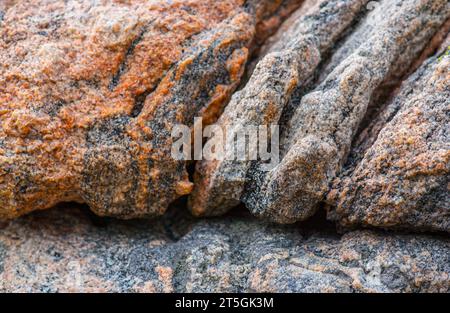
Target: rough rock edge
x,y
289,63
399,176
326,120
91,125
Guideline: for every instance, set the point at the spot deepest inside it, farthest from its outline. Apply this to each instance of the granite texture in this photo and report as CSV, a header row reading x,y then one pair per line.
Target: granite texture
x,y
320,116
90,91
398,174
287,64
63,250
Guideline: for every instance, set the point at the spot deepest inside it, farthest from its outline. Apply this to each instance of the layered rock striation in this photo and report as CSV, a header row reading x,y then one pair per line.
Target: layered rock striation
x,y
90,90
321,103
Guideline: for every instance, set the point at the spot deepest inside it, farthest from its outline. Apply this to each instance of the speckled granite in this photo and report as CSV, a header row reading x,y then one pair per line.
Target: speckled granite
x,y
62,250
90,91
398,174
379,44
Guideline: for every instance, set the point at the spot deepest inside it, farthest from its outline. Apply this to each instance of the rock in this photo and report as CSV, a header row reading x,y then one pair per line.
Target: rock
x,y
398,173
61,250
318,124
318,136
89,94
90,90
6,4
288,64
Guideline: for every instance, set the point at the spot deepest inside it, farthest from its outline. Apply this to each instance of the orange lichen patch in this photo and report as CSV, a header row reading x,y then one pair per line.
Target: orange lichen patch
x,y
182,67
270,25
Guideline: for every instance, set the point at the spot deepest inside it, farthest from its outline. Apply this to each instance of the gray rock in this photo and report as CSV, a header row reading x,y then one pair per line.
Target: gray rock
x,y
399,173
318,127
62,250
288,64
320,132
90,91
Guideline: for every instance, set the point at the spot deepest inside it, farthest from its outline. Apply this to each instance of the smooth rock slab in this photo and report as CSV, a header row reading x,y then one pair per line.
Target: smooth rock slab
x,y
62,250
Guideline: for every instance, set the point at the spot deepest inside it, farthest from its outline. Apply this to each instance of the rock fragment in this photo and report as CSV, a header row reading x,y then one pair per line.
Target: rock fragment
x,y
318,128
398,175
321,130
288,64
61,250
89,91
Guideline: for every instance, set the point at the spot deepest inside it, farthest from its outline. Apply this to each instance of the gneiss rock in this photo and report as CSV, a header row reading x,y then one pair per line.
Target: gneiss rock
x,y
287,65
318,127
403,176
6,4
318,137
89,92
60,250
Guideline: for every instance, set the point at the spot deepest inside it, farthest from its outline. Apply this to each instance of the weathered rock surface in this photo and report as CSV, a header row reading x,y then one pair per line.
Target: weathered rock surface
x,y
61,250
399,172
318,127
288,64
89,91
